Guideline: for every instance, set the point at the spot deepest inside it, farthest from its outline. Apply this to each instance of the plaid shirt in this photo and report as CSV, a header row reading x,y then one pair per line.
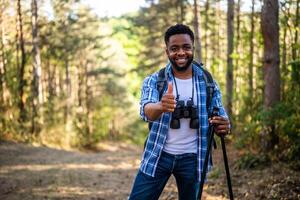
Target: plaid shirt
x,y
158,133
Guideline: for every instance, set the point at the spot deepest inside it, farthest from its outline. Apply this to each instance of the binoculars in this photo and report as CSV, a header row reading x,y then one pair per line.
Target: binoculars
x,y
185,111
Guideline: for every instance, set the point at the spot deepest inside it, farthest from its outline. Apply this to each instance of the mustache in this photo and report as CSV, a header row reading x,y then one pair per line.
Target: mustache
x,y
185,67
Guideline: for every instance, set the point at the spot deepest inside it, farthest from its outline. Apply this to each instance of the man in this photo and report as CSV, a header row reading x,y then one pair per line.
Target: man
x,y
176,147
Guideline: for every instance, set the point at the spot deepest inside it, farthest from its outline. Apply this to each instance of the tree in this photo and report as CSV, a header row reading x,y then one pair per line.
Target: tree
x,y
229,74
295,44
197,33
21,66
206,22
251,52
271,60
37,94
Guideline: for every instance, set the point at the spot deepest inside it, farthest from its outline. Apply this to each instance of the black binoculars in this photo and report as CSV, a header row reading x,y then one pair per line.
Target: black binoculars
x,y
185,111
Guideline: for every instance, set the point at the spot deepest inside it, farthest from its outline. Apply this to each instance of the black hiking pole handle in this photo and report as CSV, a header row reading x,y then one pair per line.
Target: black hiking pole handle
x,y
226,168
210,139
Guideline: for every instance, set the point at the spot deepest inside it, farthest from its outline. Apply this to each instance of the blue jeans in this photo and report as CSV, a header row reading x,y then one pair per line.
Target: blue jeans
x,y
184,169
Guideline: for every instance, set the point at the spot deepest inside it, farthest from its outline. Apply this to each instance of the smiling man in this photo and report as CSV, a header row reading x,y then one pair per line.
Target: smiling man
x,y
177,140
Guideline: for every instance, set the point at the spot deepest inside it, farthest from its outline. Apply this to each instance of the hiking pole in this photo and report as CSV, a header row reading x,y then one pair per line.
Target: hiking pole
x,y
226,167
210,139
203,175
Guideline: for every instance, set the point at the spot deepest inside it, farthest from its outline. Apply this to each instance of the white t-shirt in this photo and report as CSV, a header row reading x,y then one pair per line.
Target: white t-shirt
x,y
184,139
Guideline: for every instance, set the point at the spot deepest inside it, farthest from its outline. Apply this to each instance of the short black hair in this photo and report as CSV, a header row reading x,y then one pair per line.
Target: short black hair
x,y
178,29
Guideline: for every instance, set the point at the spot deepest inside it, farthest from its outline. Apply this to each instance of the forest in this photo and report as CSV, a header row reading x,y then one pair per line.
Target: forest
x,y
70,79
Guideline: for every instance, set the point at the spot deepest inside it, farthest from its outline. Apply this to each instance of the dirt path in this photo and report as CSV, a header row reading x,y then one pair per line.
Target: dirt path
x,y
28,172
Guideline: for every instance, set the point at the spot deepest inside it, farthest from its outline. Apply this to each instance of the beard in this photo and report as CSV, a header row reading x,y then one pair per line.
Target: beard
x,y
183,68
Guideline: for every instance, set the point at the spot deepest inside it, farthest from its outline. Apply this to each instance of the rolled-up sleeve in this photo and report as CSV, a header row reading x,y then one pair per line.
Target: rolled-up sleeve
x,y
149,94
217,101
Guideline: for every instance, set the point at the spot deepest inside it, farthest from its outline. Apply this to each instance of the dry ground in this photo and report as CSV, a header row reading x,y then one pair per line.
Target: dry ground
x,y
28,172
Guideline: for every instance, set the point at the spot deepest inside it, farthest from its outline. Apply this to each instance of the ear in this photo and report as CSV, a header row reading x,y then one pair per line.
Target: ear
x,y
167,51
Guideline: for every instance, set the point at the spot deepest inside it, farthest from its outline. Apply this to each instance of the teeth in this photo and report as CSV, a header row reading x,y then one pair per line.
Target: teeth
x,y
181,60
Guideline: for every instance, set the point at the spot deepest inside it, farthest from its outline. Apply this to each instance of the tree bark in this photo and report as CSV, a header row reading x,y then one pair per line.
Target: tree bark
x,y
251,51
88,98
271,60
206,31
2,69
22,81
3,59
237,50
68,93
197,33
229,74
284,63
295,56
51,76
37,93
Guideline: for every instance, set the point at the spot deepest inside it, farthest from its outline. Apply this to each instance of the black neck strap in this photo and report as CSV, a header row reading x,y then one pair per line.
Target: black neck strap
x,y
177,94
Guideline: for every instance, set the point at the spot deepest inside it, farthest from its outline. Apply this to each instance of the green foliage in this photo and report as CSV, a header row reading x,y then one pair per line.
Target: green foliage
x,y
252,161
286,116
215,173
138,130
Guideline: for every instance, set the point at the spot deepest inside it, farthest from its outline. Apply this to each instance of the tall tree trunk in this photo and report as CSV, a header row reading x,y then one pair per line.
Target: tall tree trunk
x,y
270,33
80,116
2,69
295,46
229,74
68,99
22,81
88,98
251,51
180,9
197,33
237,50
51,70
37,93
206,32
3,59
283,63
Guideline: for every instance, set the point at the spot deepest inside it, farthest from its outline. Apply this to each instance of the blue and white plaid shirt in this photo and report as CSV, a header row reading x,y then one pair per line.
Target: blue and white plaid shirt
x,y
158,133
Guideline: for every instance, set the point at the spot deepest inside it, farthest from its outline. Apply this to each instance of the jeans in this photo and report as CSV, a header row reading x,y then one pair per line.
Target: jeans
x,y
184,169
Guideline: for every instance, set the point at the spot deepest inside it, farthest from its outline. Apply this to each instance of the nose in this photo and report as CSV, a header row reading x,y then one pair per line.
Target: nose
x,y
180,51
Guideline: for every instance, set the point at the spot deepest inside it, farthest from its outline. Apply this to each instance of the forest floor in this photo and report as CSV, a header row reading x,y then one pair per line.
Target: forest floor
x,y
29,172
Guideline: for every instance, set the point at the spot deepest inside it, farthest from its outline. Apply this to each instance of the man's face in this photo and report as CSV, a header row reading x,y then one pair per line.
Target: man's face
x,y
180,51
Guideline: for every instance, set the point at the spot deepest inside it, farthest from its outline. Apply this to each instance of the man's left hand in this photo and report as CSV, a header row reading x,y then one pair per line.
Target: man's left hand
x,y
221,124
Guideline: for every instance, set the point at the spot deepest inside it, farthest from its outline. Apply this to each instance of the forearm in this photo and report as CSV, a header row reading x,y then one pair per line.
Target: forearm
x,y
153,110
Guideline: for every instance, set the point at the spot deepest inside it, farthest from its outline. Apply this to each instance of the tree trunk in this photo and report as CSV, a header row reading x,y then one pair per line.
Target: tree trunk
x,y
51,70
37,93
68,96
237,50
270,33
295,44
2,70
251,51
179,6
197,33
229,74
22,81
3,59
284,69
206,31
87,102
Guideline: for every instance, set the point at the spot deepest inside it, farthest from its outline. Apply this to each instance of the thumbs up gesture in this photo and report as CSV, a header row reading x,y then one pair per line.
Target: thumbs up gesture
x,y
168,100
170,88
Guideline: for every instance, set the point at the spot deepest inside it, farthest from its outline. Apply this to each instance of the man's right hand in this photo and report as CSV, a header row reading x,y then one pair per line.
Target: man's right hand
x,y
167,104
168,101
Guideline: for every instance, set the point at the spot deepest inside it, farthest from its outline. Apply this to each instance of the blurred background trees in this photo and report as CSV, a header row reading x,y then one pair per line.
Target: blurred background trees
x,y
70,77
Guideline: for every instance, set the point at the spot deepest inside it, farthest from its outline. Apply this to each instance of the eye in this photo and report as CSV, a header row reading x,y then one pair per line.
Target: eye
x,y
187,48
174,49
